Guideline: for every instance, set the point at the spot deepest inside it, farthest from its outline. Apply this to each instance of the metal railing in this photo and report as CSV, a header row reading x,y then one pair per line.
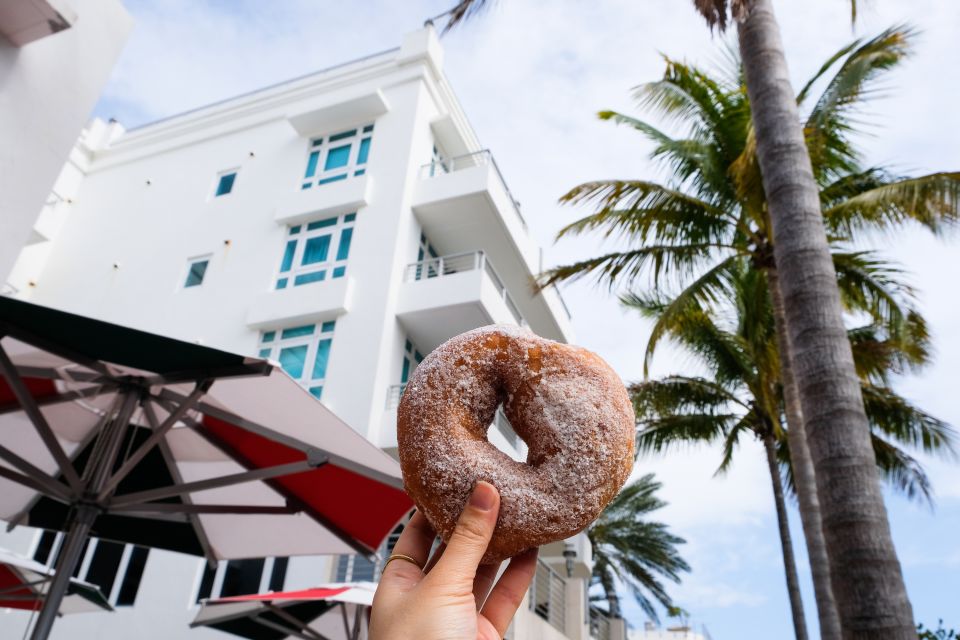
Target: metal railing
x,y
599,625
449,165
394,393
503,426
458,263
548,596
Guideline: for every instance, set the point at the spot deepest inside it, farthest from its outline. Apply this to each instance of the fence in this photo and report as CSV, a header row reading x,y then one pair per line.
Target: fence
x,y
548,597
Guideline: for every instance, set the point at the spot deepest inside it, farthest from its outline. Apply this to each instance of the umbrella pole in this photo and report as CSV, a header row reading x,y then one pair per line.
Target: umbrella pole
x,y
81,522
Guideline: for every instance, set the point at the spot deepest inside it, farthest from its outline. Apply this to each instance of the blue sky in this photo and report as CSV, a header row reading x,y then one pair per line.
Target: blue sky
x,y
531,75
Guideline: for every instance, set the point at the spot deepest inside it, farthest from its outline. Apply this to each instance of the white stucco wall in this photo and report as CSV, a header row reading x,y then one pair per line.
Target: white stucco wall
x,y
47,89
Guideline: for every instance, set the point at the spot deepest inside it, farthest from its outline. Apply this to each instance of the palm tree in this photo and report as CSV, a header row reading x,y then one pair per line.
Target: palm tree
x,y
873,598
743,394
633,551
715,212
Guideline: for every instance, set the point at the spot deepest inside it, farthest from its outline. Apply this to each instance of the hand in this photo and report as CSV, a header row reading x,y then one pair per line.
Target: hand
x,y
448,600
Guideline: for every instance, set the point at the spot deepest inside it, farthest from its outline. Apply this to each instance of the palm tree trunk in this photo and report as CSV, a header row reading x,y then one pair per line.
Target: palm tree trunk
x,y
804,479
866,575
789,561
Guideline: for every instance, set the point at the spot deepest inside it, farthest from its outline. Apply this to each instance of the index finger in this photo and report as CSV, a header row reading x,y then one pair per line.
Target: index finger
x,y
415,542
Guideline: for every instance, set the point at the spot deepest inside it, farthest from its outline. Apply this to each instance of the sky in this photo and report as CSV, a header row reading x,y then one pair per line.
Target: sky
x,y
531,76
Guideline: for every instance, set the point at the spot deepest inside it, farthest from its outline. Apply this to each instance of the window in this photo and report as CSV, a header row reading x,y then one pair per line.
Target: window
x,y
438,162
116,568
242,577
358,568
225,182
303,352
411,358
196,270
316,251
338,156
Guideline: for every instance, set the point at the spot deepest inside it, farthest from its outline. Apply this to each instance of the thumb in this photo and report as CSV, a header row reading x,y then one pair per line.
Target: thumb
x,y
458,564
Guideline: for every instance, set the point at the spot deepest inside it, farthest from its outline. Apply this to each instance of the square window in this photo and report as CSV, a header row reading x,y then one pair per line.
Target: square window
x,y
339,272
293,359
315,250
225,183
328,326
268,336
337,157
303,352
196,272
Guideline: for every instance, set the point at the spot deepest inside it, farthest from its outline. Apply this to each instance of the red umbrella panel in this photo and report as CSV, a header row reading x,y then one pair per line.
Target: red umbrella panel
x,y
24,584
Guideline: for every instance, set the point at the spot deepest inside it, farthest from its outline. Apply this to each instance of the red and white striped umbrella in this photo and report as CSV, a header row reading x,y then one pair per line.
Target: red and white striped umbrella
x,y
129,436
328,612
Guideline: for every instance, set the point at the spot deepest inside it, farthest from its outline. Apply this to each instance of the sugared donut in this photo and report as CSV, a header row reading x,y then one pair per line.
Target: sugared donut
x,y
566,403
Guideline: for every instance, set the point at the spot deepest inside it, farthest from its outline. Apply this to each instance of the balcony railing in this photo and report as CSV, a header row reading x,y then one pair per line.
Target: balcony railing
x,y
458,263
394,393
449,165
548,596
599,625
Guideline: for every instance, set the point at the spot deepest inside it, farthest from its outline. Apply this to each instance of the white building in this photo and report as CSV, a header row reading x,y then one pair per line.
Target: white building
x,y
55,58
345,224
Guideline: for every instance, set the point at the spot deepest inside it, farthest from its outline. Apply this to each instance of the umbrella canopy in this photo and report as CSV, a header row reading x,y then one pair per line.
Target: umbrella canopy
x,y
328,612
23,585
137,438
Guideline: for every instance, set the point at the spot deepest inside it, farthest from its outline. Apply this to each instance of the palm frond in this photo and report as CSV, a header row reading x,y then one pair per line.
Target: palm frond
x,y
463,10
710,288
871,284
902,471
933,201
894,417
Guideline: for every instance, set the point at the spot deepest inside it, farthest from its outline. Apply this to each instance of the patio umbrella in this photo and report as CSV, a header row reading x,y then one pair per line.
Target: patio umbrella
x,y
134,437
328,612
23,585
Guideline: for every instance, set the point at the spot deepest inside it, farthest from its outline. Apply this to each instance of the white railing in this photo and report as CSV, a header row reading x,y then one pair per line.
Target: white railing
x,y
394,393
503,426
548,596
442,166
458,263
599,625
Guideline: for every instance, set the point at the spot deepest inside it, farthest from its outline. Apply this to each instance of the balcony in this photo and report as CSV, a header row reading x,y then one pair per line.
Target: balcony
x,y
309,303
445,296
23,21
463,204
548,596
335,198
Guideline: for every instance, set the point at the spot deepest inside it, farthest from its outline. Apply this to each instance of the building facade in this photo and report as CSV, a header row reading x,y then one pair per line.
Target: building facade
x,y
55,58
343,224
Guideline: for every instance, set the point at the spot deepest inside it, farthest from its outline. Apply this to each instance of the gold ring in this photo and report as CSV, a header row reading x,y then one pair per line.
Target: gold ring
x,y
400,556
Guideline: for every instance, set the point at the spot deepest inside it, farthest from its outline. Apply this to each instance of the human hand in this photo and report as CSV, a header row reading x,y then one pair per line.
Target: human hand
x,y
449,599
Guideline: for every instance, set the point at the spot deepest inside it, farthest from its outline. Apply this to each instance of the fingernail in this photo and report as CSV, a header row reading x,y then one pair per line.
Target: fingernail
x,y
483,497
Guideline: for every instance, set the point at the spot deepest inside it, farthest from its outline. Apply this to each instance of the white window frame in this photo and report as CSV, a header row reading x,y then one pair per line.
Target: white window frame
x,y
270,347
216,183
315,175
329,269
208,257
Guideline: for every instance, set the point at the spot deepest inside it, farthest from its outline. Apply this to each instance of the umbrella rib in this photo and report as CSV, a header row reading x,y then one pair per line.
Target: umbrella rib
x,y
293,620
22,585
61,398
158,433
56,349
173,507
259,429
264,473
39,422
33,477
174,472
279,627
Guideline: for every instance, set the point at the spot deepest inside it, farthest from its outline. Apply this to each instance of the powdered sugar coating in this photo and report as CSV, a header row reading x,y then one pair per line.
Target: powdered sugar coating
x,y
565,402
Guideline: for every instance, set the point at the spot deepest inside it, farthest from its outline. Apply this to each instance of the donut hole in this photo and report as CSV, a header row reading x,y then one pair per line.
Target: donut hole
x,y
504,438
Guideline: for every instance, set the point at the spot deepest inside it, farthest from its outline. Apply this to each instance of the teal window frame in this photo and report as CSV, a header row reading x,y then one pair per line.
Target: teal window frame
x,y
316,252
303,352
411,360
337,156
